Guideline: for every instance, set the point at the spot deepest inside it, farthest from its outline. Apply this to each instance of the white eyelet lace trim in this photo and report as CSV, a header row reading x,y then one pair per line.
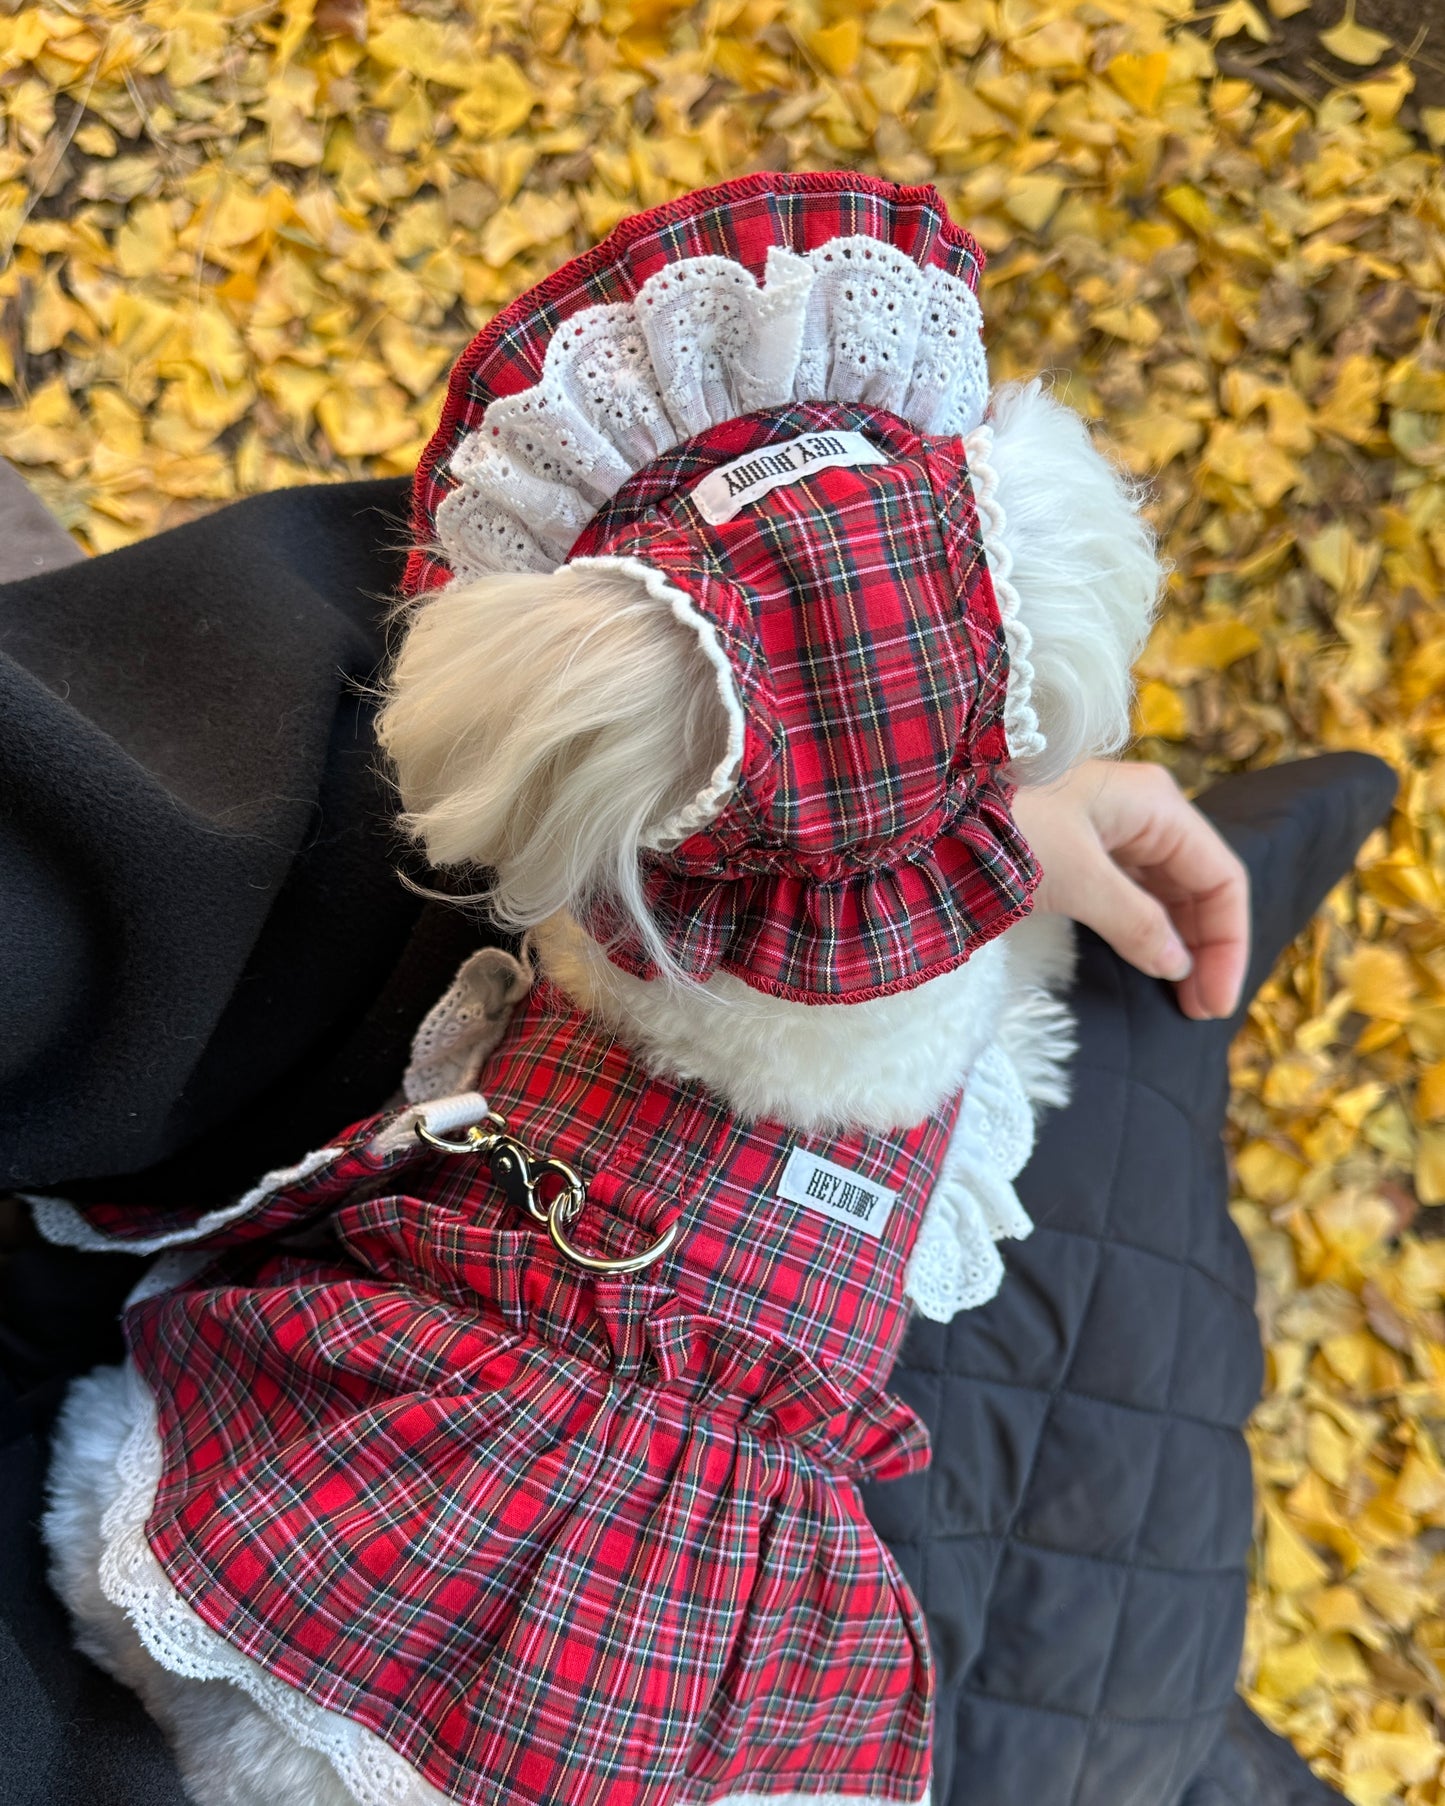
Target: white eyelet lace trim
x,y
854,320
132,1578
460,1030
955,1264
1020,719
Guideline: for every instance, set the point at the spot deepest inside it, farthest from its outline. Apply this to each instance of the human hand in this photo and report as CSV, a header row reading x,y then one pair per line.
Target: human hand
x,y
1126,853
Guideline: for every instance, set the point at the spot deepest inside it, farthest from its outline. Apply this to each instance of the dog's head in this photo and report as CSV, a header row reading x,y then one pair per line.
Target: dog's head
x,y
551,729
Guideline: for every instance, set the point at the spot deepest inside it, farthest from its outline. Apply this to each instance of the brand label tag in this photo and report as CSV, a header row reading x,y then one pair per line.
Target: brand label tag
x,y
835,1192
722,492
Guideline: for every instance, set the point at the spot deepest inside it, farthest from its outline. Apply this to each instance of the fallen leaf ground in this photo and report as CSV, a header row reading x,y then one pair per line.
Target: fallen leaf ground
x,y
248,243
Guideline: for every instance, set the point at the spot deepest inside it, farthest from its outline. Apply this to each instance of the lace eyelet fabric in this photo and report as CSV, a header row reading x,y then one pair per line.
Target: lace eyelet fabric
x,y
703,343
955,1263
464,1025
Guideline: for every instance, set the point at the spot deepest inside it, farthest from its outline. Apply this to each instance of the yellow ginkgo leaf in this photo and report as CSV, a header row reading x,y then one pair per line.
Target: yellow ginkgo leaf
x,y
1290,1564
1215,645
1238,16
359,421
1160,711
1340,1608
836,47
1031,199
146,241
1383,96
1421,1486
1430,1094
1134,323
1287,1673
52,317
1406,1756
1331,1453
1381,982
1430,1166
1346,563
96,140
1353,402
1268,1173
1153,440
1353,43
1140,78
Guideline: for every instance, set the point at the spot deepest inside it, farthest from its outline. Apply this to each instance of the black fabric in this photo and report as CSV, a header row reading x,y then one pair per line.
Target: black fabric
x,y
212,957
190,791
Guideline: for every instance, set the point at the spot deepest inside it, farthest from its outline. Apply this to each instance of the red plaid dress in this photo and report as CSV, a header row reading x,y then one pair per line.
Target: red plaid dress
x,y
553,1536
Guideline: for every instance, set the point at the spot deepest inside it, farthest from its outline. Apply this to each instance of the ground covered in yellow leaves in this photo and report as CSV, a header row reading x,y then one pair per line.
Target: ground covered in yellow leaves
x,y
248,242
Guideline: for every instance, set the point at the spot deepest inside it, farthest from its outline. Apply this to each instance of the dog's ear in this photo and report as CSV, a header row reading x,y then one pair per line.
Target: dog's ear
x,y
1082,561
548,727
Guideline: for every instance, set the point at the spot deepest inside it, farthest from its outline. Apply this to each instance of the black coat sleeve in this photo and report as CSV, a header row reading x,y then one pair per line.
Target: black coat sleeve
x,y
196,865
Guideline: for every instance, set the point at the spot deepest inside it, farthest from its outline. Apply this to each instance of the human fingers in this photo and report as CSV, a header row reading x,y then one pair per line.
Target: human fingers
x,y
1175,853
1120,911
1214,925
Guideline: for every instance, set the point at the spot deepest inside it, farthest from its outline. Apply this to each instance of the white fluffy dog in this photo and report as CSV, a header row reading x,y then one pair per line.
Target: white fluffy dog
x,y
540,729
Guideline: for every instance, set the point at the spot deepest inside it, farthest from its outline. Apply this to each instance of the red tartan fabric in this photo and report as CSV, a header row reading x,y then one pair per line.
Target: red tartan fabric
x,y
868,844
741,220
558,1537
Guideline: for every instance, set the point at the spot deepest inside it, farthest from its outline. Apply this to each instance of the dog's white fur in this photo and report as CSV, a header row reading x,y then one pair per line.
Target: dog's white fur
x,y
602,718
1086,570
540,729
539,726
867,1065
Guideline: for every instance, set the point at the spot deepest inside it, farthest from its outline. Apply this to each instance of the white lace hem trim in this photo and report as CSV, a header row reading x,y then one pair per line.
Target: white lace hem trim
x,y
62,1223
132,1578
1020,718
955,1263
177,1638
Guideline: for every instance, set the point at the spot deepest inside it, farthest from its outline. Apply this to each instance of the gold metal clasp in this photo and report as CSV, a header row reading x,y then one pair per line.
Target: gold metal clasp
x,y
521,1176
476,1141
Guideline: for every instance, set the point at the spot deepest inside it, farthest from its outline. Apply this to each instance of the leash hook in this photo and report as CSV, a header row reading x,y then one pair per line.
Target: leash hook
x,y
519,1174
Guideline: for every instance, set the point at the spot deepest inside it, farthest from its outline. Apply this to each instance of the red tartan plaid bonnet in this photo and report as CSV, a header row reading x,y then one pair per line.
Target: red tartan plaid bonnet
x,y
766,402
